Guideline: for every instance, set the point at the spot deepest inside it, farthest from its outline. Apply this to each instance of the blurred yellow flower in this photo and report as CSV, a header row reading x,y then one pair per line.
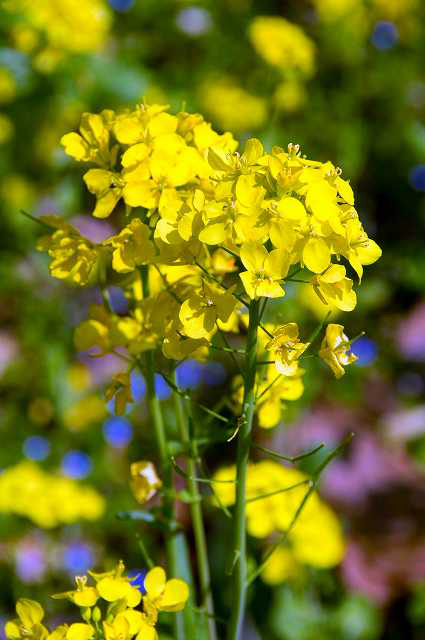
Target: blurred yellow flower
x,y
231,106
274,494
84,412
68,26
282,44
46,498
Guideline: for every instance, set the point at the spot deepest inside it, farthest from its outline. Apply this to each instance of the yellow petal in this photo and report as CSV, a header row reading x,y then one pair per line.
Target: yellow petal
x,y
253,256
112,589
345,190
155,582
106,203
135,154
80,631
292,209
76,146
98,180
175,595
253,150
147,632
141,194
316,255
29,611
85,598
213,233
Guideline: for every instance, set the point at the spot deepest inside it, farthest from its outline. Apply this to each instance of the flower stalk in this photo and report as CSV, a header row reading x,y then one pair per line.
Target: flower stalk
x,y
197,519
155,413
244,444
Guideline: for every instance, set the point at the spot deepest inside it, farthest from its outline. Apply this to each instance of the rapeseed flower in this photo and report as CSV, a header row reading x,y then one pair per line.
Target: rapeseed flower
x,y
335,349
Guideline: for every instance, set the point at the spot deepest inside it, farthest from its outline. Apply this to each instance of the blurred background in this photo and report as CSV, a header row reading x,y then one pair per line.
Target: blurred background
x,y
345,80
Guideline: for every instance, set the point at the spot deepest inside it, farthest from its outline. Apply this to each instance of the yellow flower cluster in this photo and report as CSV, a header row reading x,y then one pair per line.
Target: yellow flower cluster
x,y
68,26
201,221
274,494
47,499
116,618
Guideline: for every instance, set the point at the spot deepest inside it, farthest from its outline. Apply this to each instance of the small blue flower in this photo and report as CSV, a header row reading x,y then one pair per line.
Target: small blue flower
x,y
76,464
366,352
189,374
117,432
36,448
138,581
162,390
138,387
384,36
78,557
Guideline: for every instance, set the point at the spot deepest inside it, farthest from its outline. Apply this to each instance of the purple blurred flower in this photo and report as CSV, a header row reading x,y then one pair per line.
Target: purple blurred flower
x,y
95,230
194,21
31,560
410,335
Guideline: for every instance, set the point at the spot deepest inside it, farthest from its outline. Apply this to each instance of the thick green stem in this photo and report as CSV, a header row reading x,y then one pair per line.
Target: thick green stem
x,y
206,602
244,444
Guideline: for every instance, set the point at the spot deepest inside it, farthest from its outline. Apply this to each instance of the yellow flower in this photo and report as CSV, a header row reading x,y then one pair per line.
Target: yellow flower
x,y
131,247
74,258
274,493
67,26
282,44
287,349
335,289
281,566
199,313
106,186
359,249
336,349
92,143
271,395
231,106
46,498
82,596
264,270
144,480
162,594
84,412
120,389
289,96
114,585
28,624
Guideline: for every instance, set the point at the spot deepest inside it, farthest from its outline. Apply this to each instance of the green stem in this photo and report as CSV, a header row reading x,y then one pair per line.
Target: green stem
x,y
201,549
244,444
166,469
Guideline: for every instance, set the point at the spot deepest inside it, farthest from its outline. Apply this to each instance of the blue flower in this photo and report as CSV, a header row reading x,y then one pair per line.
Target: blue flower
x,y
36,448
384,36
76,464
117,432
